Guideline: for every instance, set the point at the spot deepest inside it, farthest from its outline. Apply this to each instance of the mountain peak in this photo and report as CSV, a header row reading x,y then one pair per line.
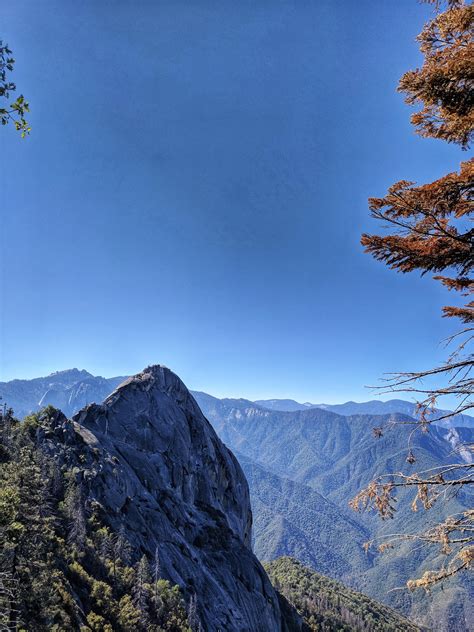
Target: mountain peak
x,y
156,377
73,371
169,481
70,375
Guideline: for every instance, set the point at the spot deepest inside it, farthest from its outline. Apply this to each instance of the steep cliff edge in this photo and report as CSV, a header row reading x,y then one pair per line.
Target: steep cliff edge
x,y
152,463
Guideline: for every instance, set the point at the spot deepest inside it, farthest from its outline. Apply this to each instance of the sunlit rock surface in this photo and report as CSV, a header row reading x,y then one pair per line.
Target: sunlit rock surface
x,y
157,469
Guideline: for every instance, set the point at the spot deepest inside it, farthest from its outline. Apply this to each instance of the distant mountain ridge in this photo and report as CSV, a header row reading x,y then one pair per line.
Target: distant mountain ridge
x,y
372,407
289,405
71,389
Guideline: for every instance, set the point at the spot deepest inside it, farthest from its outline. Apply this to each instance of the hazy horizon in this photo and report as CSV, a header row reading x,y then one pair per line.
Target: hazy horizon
x,y
372,396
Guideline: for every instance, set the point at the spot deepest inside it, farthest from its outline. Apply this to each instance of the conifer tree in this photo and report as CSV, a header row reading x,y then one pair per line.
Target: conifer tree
x,y
156,576
193,618
121,547
430,232
141,590
75,511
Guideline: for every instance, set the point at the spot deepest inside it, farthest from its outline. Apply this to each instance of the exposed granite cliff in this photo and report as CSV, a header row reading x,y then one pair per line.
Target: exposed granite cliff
x,y
157,469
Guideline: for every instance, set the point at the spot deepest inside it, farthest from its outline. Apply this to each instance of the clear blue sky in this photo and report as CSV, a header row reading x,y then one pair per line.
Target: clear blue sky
x,y
195,186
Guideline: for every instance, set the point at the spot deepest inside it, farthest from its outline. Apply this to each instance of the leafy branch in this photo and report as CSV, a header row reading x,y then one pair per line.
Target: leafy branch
x,y
12,111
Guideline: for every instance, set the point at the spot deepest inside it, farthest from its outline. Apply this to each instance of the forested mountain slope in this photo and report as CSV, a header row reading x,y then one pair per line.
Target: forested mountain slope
x,y
62,567
372,407
72,389
292,519
336,456
329,606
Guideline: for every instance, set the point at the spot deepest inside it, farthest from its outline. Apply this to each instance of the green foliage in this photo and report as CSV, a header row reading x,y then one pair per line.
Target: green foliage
x,y
169,608
129,616
13,111
327,605
61,568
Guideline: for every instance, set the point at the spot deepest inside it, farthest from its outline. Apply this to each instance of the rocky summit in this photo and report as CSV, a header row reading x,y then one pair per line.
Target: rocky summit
x,y
158,472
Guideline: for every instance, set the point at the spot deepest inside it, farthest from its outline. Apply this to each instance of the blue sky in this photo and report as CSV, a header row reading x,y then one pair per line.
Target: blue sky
x,y
194,189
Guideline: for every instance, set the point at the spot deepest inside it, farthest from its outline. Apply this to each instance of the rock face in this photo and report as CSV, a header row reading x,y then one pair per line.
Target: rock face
x,y
158,470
